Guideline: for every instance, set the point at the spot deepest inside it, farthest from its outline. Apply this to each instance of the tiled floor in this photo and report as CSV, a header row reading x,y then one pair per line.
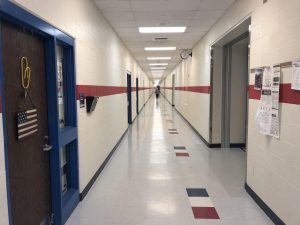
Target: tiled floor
x,y
144,183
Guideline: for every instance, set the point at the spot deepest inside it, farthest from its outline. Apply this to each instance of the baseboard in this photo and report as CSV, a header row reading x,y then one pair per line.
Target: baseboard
x,y
276,220
94,178
217,145
237,145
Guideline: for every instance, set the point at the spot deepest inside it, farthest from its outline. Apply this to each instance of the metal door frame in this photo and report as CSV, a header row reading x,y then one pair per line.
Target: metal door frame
x,y
226,90
62,206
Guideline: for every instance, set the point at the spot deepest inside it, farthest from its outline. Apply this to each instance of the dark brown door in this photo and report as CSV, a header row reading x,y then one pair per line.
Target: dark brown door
x,y
29,167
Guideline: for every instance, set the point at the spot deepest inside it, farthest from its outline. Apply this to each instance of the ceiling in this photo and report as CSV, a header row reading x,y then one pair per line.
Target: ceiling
x,y
125,16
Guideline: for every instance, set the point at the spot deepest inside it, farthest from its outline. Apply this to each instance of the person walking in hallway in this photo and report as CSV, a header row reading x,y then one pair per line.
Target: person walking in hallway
x,y
157,91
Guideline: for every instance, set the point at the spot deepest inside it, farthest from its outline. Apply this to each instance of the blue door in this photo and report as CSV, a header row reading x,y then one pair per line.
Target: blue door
x,y
129,107
137,96
50,53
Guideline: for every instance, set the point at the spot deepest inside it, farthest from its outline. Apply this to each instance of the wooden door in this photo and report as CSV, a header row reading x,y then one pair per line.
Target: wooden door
x,y
29,167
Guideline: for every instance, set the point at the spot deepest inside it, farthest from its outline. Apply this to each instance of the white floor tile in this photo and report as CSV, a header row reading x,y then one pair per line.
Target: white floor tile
x,y
144,183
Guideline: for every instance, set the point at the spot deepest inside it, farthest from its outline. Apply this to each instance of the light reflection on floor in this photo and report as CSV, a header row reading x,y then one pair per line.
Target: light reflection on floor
x,y
144,183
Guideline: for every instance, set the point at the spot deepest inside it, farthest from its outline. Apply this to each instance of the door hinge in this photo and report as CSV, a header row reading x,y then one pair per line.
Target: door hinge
x,y
51,218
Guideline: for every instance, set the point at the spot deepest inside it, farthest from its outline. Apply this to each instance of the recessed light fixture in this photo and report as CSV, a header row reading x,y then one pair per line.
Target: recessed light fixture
x,y
160,48
162,29
157,71
158,68
158,64
159,58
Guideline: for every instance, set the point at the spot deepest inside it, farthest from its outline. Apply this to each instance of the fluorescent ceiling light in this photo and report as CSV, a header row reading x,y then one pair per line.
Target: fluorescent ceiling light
x,y
159,58
157,71
160,48
162,29
158,64
158,68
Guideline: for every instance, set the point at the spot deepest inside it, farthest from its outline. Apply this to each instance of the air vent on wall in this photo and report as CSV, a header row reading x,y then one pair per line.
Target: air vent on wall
x,y
160,39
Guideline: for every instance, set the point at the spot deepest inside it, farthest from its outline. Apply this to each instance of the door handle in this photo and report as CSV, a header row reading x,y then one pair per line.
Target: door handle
x,y
47,147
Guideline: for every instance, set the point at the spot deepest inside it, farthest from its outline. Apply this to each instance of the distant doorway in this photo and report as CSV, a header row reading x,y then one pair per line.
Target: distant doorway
x,y
173,89
129,103
229,94
137,95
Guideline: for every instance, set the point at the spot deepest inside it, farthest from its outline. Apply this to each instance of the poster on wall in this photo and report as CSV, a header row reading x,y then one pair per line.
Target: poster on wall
x,y
276,72
267,116
296,75
258,78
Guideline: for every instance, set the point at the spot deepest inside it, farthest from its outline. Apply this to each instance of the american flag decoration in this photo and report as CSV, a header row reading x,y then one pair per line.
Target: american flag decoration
x,y
27,123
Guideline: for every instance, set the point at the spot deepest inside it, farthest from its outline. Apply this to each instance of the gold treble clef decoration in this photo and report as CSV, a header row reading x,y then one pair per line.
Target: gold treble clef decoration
x,y
26,73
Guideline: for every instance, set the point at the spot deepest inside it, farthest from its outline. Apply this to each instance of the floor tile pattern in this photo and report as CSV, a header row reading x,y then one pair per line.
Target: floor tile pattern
x,y
145,184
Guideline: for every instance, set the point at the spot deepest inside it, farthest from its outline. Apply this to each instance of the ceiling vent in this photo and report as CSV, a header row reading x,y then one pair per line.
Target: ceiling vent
x,y
160,39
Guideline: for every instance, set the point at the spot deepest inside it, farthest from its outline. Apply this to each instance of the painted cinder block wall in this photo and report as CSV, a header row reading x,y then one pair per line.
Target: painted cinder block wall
x,y
101,60
273,166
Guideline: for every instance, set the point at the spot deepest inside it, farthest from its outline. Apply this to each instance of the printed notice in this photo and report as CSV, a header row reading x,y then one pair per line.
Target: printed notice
x,y
258,78
275,87
263,120
296,75
266,92
267,116
274,124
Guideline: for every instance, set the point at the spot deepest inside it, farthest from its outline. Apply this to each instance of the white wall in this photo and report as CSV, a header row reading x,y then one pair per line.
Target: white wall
x,y
101,59
193,106
168,90
273,166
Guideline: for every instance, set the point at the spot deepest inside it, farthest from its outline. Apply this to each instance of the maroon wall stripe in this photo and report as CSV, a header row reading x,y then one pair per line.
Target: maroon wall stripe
x,y
287,95
100,91
197,89
254,94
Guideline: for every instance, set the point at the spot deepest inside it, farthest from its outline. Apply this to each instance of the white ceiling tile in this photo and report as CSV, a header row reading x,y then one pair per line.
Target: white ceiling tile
x,y
123,24
215,4
126,16
163,15
164,5
119,16
113,5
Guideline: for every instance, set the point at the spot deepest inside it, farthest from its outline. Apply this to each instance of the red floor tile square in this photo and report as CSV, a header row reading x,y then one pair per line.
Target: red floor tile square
x,y
182,154
205,213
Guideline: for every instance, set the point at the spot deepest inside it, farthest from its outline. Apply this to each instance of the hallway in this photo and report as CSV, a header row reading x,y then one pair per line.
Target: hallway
x,y
144,183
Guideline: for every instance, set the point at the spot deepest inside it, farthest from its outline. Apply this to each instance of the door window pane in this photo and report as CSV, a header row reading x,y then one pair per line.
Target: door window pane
x,y
60,86
64,169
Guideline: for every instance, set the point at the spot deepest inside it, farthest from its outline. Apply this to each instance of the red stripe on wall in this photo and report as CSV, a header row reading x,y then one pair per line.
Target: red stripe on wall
x,y
287,95
254,94
90,90
100,91
197,89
